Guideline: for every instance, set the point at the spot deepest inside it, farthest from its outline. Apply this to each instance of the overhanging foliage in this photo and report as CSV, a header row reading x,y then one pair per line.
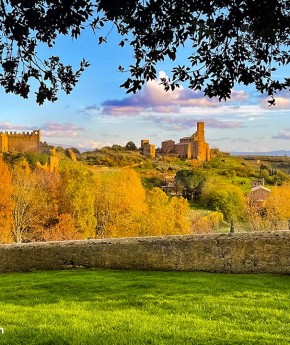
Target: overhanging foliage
x,y
240,41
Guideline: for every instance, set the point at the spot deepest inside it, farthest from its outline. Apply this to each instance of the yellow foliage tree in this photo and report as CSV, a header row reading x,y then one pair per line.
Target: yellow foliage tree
x,y
159,219
181,215
273,213
119,203
77,197
206,223
165,216
122,208
277,207
6,203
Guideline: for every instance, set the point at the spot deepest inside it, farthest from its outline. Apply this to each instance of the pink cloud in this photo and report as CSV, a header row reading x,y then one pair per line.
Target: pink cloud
x,y
153,98
121,110
47,129
60,130
282,101
184,122
6,126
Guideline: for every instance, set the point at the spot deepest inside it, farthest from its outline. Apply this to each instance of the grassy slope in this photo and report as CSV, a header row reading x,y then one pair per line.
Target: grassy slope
x,y
131,307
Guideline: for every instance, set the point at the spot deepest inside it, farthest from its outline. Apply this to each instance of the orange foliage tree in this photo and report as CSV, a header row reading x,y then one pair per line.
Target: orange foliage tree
x,y
63,229
6,203
30,206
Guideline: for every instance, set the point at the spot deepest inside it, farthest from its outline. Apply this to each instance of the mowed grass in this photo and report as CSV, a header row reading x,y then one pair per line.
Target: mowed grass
x,y
141,307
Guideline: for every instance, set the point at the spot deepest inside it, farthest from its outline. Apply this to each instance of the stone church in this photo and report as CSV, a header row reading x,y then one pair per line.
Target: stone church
x,y
193,147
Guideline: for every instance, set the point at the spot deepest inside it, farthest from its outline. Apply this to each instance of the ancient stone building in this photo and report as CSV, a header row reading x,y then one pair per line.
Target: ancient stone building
x,y
259,193
168,146
193,147
20,142
147,148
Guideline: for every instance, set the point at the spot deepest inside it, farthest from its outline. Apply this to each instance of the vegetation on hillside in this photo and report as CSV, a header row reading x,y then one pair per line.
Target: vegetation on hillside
x,y
78,202
127,194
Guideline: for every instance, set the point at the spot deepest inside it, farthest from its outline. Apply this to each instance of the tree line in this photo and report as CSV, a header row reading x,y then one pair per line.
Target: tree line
x,y
78,203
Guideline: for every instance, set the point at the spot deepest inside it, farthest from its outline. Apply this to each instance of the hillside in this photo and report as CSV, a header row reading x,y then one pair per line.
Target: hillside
x,y
128,194
155,172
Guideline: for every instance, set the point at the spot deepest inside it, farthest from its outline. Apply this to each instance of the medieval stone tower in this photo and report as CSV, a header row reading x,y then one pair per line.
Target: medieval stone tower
x,y
147,149
200,149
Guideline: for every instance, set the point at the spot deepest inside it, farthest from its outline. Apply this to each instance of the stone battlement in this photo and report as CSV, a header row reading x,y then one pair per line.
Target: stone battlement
x,y
20,142
22,134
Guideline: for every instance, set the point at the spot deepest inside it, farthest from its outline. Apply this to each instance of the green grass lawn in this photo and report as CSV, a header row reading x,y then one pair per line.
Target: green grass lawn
x,y
142,307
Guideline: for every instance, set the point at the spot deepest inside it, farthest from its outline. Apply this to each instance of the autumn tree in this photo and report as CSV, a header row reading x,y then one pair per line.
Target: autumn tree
x,y
29,213
277,209
62,229
180,209
50,182
119,203
58,226
206,223
123,208
241,41
77,197
159,218
165,216
6,203
277,203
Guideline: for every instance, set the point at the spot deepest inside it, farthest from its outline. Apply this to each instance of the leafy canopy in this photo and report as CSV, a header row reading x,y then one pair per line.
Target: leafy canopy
x,y
241,41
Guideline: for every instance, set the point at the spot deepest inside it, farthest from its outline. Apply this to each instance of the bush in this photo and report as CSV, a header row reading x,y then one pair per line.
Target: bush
x,y
224,197
208,223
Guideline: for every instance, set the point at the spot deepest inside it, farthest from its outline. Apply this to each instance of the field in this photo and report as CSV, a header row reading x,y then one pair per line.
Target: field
x,y
134,307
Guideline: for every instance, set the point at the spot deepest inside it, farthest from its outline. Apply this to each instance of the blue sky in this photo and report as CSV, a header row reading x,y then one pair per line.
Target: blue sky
x,y
98,112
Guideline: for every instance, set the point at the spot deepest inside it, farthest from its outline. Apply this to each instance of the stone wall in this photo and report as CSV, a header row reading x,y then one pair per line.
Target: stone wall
x,y
259,252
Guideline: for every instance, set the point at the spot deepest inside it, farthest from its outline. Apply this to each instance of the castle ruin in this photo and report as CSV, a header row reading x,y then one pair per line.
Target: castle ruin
x,y
193,147
28,142
147,149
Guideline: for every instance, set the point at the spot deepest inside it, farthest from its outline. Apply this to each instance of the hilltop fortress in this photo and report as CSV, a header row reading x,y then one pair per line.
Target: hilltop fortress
x,y
29,142
193,147
20,142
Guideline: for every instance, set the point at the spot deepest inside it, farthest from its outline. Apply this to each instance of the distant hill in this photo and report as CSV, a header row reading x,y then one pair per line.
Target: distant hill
x,y
269,153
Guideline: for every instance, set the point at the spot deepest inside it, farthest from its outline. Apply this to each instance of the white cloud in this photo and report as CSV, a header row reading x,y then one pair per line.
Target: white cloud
x,y
283,134
90,144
